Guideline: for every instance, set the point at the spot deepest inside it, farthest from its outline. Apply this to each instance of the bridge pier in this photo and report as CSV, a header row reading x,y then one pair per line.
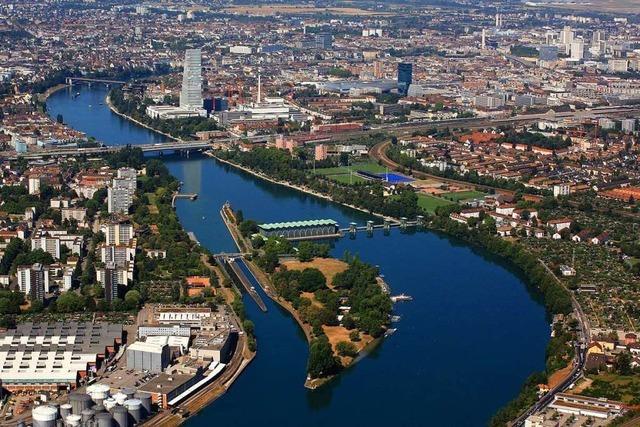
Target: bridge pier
x,y
353,229
370,228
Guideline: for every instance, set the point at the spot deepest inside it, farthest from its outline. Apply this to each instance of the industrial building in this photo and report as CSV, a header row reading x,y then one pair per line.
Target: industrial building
x,y
586,406
56,355
148,356
297,230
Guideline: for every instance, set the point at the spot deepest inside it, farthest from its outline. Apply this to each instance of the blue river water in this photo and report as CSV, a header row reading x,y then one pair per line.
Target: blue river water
x,y
463,347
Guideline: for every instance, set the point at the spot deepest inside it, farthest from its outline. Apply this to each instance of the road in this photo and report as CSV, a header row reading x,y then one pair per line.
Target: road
x,y
584,337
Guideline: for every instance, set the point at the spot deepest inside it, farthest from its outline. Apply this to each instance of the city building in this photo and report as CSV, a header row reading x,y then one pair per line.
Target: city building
x,y
628,125
110,281
112,278
79,215
320,152
47,243
577,50
324,41
191,93
561,190
120,196
33,281
405,76
548,53
117,232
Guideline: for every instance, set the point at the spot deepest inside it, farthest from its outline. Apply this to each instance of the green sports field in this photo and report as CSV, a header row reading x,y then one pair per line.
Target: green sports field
x,y
462,195
430,203
341,173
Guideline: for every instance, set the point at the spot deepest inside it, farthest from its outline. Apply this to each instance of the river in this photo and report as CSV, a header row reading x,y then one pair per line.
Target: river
x,y
464,345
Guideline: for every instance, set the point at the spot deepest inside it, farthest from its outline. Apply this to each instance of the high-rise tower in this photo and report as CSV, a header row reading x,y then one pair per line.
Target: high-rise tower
x,y
191,93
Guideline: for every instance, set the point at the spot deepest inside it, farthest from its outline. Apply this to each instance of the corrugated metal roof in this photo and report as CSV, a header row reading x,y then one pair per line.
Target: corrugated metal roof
x,y
298,224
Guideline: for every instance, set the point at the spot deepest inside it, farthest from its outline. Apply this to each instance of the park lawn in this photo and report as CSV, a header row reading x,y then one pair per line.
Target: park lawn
x,y
462,195
153,207
430,203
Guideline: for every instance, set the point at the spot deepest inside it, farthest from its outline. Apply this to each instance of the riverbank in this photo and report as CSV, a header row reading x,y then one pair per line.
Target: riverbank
x,y
521,402
113,109
42,97
300,188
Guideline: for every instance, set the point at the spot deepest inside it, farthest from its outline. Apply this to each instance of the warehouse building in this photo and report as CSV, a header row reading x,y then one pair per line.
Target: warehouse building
x,y
148,356
55,356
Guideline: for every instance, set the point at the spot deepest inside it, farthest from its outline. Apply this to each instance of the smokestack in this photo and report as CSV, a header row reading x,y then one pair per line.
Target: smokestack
x,y
259,89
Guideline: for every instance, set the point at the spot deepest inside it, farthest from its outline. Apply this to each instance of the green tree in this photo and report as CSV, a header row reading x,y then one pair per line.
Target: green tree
x,y
346,348
69,302
322,362
132,299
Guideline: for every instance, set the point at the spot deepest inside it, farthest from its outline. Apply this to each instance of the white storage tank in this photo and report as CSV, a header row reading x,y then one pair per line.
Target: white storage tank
x,y
44,416
98,392
109,403
120,398
65,410
73,420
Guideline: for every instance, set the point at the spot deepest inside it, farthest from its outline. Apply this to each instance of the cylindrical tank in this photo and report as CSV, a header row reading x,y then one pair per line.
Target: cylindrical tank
x,y
65,410
104,419
120,416
109,403
145,398
87,415
128,391
98,408
134,406
120,398
80,402
57,407
98,392
44,416
73,420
